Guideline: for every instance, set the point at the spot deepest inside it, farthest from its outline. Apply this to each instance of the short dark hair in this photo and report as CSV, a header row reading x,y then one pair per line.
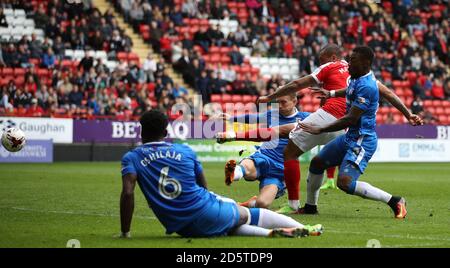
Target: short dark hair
x,y
153,125
332,49
366,52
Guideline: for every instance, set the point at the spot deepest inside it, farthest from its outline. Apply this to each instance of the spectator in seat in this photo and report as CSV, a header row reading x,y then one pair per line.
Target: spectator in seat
x,y
304,62
59,48
249,85
447,88
136,15
165,78
240,36
437,90
40,17
75,96
228,74
30,86
23,57
189,8
165,44
3,22
217,37
87,61
187,41
48,59
202,39
218,85
177,50
236,57
179,91
261,46
35,110
149,68
203,87
176,16
417,105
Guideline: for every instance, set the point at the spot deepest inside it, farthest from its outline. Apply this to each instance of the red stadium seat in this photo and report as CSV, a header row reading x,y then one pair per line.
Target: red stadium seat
x,y
436,103
226,98
7,71
133,57
143,28
19,71
428,103
216,98
247,98
440,110
225,59
236,98
122,56
214,49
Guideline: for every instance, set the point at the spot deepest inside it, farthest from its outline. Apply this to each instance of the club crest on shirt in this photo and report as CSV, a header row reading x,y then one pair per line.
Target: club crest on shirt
x,y
361,100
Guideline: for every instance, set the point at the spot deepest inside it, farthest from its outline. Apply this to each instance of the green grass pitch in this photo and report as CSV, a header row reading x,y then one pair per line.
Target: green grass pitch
x,y
45,205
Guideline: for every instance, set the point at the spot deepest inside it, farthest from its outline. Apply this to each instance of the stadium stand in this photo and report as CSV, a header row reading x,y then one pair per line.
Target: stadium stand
x,y
232,51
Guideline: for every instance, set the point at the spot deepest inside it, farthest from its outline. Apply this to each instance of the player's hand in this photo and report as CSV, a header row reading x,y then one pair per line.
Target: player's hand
x,y
222,137
320,93
415,120
222,116
310,128
263,99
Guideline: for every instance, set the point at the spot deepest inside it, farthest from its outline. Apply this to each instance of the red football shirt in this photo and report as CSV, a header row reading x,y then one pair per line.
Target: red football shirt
x,y
332,76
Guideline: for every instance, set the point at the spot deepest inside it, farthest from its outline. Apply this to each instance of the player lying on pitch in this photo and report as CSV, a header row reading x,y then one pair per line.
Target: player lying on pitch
x,y
266,164
332,74
353,150
172,180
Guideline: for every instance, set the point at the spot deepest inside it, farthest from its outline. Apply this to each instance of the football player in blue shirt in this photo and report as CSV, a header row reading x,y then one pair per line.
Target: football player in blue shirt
x,y
353,150
266,164
172,181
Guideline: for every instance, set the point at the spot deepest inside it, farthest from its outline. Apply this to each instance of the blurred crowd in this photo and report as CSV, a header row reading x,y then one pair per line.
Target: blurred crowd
x,y
410,44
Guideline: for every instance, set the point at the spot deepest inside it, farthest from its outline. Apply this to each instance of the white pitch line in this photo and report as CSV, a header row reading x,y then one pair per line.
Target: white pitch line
x,y
80,213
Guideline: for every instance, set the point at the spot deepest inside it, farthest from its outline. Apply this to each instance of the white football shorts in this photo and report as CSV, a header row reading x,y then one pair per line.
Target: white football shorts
x,y
306,141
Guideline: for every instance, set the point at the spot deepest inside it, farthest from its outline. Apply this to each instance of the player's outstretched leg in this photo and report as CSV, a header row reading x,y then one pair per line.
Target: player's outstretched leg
x,y
263,222
348,182
329,183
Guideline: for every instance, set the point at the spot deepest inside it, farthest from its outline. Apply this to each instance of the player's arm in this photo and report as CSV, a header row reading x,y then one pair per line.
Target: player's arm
x,y
127,203
322,93
348,120
256,135
198,171
393,99
201,180
289,88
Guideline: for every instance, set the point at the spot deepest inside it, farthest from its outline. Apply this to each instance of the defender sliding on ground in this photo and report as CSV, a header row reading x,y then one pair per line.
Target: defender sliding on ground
x,y
172,180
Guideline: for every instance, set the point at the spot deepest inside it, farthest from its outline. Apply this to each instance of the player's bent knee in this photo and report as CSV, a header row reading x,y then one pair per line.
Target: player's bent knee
x,y
262,203
291,151
317,165
344,181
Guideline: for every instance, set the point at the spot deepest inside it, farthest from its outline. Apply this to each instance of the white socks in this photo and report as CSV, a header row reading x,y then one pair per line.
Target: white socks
x,y
366,190
238,173
252,203
261,221
251,230
269,219
294,203
313,184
